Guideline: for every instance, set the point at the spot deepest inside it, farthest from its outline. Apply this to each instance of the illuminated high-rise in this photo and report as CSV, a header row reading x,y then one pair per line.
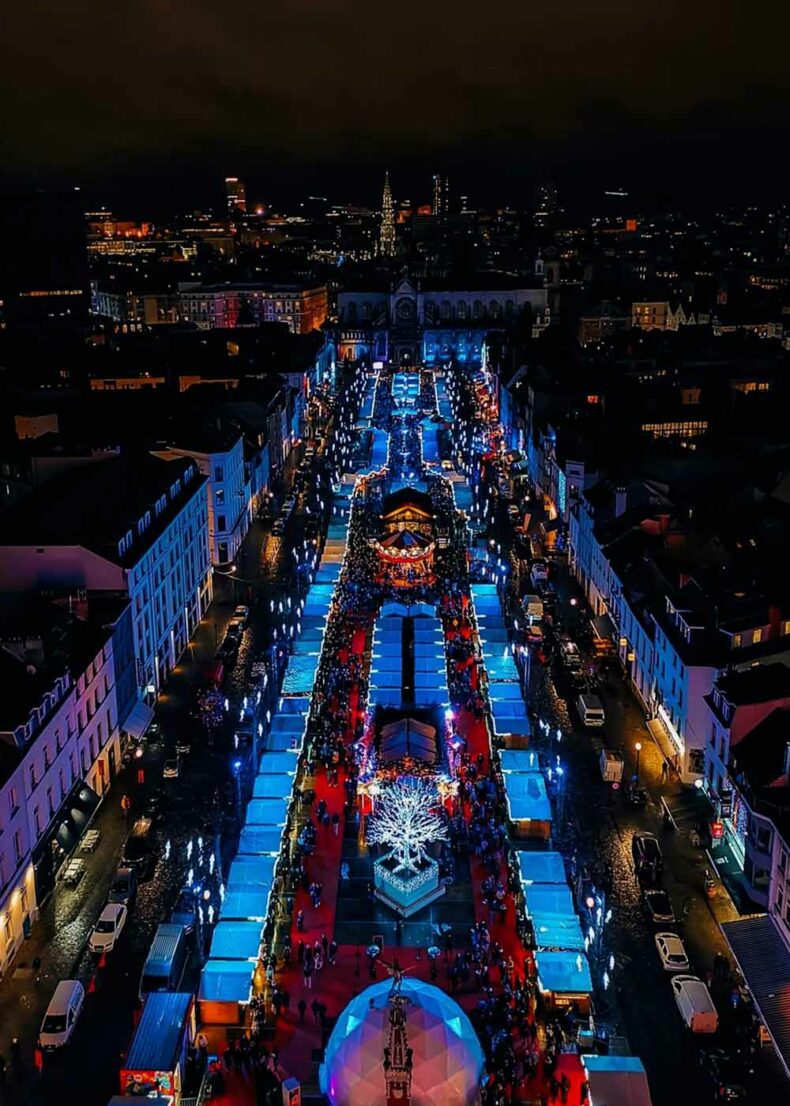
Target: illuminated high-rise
x,y
387,232
441,194
236,194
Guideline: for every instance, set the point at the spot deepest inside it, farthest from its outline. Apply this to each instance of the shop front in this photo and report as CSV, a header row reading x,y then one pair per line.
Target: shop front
x,y
62,836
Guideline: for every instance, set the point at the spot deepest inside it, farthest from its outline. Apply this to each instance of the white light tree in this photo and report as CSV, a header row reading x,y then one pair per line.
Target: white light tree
x,y
405,822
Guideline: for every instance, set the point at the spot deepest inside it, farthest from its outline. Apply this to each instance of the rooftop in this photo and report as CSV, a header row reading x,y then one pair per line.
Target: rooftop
x,y
97,504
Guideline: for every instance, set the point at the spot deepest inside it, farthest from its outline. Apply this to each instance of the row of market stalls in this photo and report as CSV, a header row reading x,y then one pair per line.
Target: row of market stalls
x,y
549,909
227,978
563,970
407,659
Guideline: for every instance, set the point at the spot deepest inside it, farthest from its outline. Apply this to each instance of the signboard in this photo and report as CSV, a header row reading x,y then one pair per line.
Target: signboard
x,y
726,804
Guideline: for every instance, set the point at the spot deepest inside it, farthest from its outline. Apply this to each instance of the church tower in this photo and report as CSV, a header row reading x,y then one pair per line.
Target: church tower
x,y
387,232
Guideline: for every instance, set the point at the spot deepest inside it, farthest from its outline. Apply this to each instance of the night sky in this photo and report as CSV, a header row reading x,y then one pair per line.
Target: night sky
x,y
326,92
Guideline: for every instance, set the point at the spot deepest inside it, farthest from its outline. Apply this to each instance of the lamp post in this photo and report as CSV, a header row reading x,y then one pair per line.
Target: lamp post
x,y
638,748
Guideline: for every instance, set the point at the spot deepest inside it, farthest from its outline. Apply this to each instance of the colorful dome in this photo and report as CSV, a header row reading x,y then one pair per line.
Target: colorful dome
x,y
447,1057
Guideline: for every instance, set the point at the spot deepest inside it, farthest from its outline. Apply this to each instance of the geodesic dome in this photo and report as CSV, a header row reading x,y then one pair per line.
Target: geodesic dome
x,y
448,1059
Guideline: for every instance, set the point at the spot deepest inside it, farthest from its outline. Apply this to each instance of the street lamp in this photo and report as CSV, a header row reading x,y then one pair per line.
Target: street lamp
x,y
638,748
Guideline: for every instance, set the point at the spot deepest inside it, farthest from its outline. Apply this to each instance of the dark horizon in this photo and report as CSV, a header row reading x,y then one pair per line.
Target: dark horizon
x,y
666,100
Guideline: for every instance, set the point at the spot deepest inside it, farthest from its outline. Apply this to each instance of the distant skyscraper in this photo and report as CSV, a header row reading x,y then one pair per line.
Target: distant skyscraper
x,y
236,193
441,194
546,204
387,234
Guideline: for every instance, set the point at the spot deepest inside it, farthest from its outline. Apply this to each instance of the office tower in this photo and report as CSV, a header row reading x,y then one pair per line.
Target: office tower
x,y
441,195
236,194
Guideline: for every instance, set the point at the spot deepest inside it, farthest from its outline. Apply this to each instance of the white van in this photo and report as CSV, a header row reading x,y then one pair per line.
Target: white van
x,y
64,1008
590,710
695,1004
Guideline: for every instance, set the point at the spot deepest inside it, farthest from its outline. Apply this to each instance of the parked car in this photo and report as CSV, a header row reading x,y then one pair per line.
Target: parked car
x,y
172,768
235,628
64,1009
108,927
183,746
185,909
138,852
123,887
535,635
725,1075
672,952
657,906
539,570
648,858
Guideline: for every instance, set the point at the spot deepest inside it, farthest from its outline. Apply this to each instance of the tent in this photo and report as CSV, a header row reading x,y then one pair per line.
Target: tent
x,y
550,898
276,763
260,841
408,737
245,904
564,974
252,871
520,760
267,812
268,786
541,867
224,986
236,941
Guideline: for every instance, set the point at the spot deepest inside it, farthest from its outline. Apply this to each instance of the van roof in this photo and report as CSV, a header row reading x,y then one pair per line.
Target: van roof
x,y
697,992
157,1041
163,946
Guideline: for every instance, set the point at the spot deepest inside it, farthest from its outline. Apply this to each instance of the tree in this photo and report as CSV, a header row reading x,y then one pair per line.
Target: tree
x,y
406,821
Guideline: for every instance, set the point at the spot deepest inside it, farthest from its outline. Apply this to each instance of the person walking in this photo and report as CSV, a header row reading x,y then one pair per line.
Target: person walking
x,y
301,1006
565,1086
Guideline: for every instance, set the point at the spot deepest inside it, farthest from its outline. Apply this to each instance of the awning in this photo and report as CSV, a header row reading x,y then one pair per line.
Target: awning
x,y
226,981
764,961
140,718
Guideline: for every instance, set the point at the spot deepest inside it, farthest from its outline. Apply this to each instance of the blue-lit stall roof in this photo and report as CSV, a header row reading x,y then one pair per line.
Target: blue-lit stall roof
x,y
268,786
564,973
236,940
541,867
226,981
260,841
526,797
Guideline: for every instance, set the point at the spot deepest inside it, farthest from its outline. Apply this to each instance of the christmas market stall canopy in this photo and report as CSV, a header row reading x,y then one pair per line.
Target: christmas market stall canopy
x,y
300,675
275,764
260,841
225,985
268,786
268,812
509,717
430,443
540,867
563,974
617,1080
294,704
554,920
447,1058
501,667
520,760
251,871
528,804
408,737
236,940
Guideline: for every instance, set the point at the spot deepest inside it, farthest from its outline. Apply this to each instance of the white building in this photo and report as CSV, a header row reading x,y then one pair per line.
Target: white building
x,y
221,461
60,744
131,525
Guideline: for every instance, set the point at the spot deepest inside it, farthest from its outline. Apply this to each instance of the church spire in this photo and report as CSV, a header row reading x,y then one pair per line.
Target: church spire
x,y
387,233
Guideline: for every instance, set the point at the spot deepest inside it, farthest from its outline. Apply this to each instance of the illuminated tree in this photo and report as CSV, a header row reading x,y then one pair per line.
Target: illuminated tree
x,y
406,821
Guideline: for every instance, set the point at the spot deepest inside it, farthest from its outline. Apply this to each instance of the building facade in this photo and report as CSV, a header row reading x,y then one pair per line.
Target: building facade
x,y
411,323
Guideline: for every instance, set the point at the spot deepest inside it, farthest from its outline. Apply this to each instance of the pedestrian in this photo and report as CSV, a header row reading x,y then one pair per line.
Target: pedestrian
x,y
584,1093
307,974
331,954
300,921
315,1006
554,1088
336,824
302,1008
664,771
565,1086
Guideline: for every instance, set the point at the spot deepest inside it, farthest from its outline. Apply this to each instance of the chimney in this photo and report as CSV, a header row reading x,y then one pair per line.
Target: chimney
x,y
620,501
